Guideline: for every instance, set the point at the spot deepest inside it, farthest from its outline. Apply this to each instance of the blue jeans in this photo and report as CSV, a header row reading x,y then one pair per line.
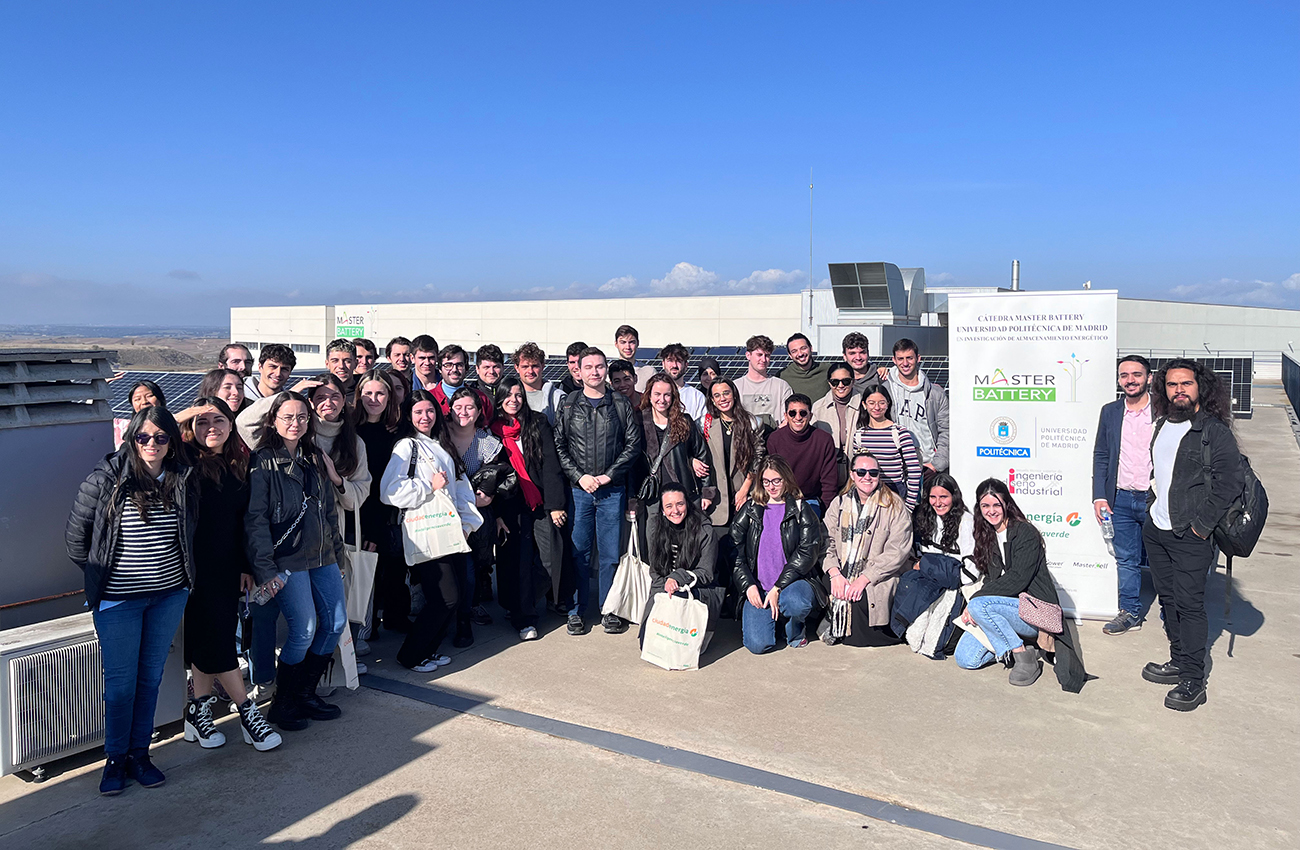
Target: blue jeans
x,y
597,518
758,629
1129,514
313,608
999,617
135,636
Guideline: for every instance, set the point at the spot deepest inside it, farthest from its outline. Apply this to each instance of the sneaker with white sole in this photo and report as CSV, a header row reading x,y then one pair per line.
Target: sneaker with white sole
x,y
431,664
199,725
529,633
360,647
257,731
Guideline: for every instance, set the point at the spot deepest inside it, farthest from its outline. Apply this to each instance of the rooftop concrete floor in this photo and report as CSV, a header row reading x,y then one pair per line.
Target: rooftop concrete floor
x,y
1108,767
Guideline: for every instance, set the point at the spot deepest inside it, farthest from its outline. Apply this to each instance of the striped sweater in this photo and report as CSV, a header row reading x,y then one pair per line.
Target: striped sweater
x,y
149,557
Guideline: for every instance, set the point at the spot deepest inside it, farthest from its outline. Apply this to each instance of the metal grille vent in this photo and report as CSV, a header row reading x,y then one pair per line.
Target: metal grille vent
x,y
57,700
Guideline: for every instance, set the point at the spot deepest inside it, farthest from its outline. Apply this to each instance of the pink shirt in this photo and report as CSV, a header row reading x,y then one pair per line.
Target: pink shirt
x,y
1135,449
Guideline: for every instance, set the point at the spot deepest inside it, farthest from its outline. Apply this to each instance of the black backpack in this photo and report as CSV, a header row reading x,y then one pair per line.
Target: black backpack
x,y
1239,530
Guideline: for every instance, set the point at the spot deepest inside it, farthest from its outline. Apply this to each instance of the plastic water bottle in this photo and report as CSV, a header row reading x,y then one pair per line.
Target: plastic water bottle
x,y
263,594
1108,531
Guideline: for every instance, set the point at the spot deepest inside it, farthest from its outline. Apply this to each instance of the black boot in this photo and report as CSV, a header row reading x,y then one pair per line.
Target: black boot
x,y
464,634
313,706
286,712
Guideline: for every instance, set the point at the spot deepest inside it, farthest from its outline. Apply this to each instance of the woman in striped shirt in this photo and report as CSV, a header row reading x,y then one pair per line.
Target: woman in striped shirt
x,y
132,531
893,447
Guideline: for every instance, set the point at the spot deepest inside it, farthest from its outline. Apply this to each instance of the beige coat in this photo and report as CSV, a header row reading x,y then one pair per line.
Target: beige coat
x,y
825,418
889,552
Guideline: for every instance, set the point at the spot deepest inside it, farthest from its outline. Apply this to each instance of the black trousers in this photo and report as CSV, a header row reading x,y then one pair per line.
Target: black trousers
x,y
441,596
516,567
392,596
1179,568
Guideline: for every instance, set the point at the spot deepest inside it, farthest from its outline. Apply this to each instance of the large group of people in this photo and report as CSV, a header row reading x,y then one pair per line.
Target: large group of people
x,y
811,504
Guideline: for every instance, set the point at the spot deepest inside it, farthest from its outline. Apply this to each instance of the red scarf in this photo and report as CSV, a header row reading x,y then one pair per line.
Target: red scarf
x,y
509,435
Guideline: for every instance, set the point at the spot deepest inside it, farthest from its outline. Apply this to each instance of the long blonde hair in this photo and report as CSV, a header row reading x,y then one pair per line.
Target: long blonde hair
x,y
883,496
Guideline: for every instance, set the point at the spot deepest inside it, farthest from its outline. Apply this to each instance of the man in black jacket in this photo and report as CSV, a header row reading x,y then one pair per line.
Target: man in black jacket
x,y
598,437
1184,505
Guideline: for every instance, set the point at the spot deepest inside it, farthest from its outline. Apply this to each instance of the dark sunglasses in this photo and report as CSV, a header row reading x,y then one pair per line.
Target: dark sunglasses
x,y
146,439
840,382
797,414
873,473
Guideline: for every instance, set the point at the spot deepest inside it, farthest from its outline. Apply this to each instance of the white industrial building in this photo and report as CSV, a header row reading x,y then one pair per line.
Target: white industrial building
x,y
878,299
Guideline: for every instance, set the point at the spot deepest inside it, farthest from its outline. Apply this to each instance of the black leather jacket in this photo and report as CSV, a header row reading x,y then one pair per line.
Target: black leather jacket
x,y
96,519
801,540
601,440
278,485
1191,503
676,465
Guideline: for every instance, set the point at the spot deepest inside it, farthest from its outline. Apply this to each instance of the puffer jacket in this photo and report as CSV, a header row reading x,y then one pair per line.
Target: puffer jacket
x,y
1193,504
801,541
96,518
601,440
278,484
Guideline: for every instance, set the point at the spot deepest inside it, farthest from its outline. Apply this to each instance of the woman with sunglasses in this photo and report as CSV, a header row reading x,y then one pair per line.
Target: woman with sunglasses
x,y
1012,559
292,526
131,530
534,513
778,540
891,445
837,413
378,416
424,461
868,545
221,573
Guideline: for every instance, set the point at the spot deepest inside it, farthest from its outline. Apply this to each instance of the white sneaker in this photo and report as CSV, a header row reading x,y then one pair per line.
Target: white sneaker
x,y
429,665
529,633
360,647
362,669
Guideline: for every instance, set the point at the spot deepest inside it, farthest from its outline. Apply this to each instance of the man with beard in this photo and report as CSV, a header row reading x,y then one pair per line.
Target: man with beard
x,y
1185,504
1121,474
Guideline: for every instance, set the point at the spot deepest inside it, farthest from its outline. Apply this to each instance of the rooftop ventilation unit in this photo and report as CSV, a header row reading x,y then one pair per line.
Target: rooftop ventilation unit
x,y
869,288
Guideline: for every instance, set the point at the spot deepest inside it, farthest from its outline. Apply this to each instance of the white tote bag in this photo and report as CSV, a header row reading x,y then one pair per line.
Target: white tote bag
x,y
432,530
630,591
359,577
341,672
675,631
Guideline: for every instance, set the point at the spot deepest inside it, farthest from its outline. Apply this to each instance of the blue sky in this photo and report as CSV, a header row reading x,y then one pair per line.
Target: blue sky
x,y
162,162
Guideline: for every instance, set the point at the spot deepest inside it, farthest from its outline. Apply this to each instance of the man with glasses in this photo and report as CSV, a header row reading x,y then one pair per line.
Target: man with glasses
x,y
455,362
809,451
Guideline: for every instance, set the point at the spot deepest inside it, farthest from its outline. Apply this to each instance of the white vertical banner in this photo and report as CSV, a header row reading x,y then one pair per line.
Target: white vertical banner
x,y
1029,374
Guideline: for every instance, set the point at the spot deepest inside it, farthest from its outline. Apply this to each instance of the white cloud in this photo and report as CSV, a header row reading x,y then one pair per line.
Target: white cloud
x,y
618,284
770,280
941,277
684,279
1251,293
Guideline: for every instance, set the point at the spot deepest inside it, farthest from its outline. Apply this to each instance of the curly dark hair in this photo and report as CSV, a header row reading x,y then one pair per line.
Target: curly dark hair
x,y
1213,395
925,520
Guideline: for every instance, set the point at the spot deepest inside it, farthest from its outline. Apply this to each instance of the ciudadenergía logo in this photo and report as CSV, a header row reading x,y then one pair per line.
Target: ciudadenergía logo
x,y
1000,385
1073,518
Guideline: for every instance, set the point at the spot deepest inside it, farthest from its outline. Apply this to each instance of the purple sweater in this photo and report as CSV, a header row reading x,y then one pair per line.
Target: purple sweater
x,y
771,555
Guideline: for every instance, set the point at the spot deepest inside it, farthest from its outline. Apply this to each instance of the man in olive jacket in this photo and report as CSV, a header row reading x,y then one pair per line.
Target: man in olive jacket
x,y
1184,505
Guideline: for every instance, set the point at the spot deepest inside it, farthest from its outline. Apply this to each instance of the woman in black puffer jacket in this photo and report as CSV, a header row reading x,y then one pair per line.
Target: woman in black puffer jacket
x,y
131,530
778,541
